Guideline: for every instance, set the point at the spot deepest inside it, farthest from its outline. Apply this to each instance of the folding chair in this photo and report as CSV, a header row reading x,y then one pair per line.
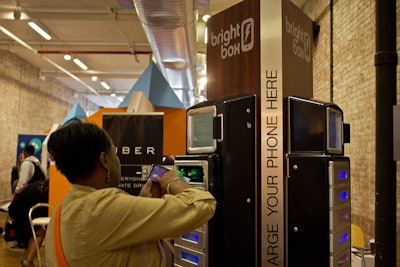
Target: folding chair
x,y
357,241
40,221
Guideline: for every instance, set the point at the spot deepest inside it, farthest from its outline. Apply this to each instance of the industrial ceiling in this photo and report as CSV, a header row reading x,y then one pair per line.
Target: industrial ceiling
x,y
115,39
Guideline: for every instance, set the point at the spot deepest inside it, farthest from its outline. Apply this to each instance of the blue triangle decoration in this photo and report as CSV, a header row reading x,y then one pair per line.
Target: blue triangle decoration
x,y
76,113
156,88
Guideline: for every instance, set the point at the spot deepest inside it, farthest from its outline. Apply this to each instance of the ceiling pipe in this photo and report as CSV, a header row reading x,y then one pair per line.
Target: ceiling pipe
x,y
75,52
88,74
82,48
170,29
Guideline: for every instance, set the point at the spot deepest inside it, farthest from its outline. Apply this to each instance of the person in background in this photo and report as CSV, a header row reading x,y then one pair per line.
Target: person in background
x,y
98,224
27,169
36,192
15,172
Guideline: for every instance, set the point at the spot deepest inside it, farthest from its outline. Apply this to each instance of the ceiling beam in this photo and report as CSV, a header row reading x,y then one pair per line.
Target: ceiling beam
x,y
87,74
73,14
81,47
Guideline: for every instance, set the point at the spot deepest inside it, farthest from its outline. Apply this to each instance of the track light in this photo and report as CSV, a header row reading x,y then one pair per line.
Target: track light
x,y
105,85
39,30
206,17
78,62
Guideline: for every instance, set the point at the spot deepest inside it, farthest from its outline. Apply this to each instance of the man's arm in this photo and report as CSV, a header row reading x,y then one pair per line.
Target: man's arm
x,y
25,174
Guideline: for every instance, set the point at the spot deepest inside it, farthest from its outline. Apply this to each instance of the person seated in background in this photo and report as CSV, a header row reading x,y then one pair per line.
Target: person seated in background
x,y
15,172
30,170
37,192
98,224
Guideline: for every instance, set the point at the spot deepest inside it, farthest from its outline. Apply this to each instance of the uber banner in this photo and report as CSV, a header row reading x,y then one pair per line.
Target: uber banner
x,y
138,139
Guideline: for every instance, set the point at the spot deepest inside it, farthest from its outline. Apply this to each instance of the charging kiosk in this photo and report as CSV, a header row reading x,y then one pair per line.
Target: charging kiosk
x,y
317,202
221,159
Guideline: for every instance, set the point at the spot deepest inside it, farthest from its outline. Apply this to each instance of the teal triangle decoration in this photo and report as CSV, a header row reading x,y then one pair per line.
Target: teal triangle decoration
x,y
156,88
76,113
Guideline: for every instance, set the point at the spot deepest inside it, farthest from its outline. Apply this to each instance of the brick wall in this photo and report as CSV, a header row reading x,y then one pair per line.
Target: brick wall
x,y
353,90
28,105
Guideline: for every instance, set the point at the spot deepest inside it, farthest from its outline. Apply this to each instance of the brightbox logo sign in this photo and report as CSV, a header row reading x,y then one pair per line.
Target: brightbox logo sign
x,y
238,38
301,40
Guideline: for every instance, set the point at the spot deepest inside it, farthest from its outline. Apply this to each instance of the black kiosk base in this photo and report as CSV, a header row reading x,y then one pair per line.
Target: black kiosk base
x,y
221,158
317,186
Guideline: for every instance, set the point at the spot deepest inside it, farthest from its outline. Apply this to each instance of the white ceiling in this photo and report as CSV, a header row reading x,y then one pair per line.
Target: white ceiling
x,y
105,34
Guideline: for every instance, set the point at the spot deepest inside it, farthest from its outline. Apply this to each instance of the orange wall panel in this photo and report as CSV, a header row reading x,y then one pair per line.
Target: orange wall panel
x,y
174,131
174,144
97,118
58,186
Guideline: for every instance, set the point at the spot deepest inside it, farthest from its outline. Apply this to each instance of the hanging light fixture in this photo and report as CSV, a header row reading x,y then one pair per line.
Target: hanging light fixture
x,y
39,30
105,85
17,13
82,65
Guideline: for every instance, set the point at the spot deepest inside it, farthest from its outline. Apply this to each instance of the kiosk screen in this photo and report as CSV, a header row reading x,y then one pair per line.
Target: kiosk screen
x,y
200,130
335,130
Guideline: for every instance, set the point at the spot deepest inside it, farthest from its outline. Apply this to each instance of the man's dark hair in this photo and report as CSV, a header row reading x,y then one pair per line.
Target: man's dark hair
x,y
29,149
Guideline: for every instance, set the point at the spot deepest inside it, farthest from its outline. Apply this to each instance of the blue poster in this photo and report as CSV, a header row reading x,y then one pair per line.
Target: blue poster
x,y
30,139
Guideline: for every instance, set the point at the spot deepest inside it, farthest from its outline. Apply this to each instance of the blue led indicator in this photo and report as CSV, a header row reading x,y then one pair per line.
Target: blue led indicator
x,y
345,216
343,196
191,237
345,257
342,175
343,238
189,257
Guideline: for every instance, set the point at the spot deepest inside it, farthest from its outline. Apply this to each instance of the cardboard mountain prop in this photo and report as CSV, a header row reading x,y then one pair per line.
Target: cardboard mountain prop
x,y
156,88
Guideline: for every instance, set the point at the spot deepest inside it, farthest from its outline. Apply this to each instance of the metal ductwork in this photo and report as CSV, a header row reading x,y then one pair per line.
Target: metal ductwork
x,y
170,26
